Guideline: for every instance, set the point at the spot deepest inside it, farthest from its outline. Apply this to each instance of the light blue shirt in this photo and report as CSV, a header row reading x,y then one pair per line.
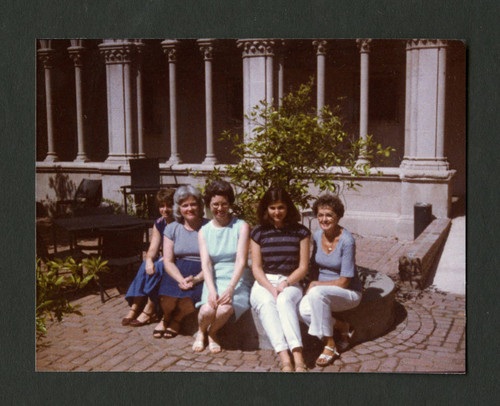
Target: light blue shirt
x,y
339,262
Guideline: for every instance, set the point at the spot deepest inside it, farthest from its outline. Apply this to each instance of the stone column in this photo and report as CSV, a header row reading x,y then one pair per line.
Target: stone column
x,y
320,46
139,45
119,56
47,55
281,72
207,48
424,171
258,57
364,50
76,52
170,49
425,105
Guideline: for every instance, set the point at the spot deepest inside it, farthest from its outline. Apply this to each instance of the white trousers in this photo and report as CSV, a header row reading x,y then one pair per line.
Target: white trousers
x,y
279,318
316,307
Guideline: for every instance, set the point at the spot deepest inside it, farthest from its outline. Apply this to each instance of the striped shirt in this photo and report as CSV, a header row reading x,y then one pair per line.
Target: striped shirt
x,y
280,247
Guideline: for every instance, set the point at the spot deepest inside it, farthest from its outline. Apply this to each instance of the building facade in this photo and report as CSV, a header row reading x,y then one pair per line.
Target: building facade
x,y
102,102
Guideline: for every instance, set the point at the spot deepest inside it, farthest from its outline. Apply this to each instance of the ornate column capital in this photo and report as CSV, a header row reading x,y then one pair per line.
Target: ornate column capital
x,y
364,45
170,49
425,43
256,47
320,46
139,48
47,56
206,48
117,51
76,54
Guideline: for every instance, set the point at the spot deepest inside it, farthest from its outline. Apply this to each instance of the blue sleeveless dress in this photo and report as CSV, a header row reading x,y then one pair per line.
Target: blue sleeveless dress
x,y
144,284
222,244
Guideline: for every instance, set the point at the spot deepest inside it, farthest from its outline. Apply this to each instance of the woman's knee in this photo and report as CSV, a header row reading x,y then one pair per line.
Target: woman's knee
x,y
206,311
224,310
316,295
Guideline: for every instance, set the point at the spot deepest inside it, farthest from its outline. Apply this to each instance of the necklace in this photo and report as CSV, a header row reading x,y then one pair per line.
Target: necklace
x,y
330,245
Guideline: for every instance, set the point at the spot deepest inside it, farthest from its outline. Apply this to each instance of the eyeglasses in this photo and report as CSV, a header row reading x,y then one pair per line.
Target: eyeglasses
x,y
219,205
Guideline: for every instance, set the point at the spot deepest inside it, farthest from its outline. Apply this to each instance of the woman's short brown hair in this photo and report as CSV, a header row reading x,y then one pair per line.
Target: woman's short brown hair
x,y
274,195
165,196
331,201
218,188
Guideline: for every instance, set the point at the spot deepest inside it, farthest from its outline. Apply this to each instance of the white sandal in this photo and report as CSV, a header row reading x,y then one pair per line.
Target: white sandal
x,y
199,343
213,346
344,343
325,359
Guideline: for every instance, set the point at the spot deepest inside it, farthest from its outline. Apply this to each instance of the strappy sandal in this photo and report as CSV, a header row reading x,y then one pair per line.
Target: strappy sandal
x,y
213,346
344,343
159,333
286,367
199,342
127,320
325,359
170,332
137,323
301,367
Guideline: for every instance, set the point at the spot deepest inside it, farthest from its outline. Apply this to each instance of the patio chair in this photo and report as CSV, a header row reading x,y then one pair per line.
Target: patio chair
x,y
121,247
42,251
87,200
145,182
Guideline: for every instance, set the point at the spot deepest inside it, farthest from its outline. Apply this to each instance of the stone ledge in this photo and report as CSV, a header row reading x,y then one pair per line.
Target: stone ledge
x,y
420,255
371,319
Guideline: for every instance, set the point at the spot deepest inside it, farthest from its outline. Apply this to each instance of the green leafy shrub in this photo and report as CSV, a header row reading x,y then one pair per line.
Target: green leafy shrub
x,y
56,282
290,146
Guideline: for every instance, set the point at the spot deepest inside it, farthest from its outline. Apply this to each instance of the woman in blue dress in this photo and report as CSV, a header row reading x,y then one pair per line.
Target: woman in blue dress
x,y
181,284
223,250
338,287
146,282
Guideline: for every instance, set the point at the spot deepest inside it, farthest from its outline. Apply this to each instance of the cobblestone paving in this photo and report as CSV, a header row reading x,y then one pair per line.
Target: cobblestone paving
x,y
428,336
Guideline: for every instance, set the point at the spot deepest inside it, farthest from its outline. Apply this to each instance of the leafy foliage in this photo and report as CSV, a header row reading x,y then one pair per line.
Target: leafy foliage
x,y
56,282
293,147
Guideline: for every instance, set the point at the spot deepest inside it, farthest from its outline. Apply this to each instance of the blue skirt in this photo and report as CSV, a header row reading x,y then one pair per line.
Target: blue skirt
x,y
170,287
146,285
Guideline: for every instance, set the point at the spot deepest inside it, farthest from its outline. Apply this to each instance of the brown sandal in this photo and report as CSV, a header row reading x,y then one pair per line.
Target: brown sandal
x,y
127,320
170,332
301,367
137,323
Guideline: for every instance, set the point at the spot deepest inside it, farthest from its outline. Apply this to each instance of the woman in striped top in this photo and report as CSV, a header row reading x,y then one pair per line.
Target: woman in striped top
x,y
280,251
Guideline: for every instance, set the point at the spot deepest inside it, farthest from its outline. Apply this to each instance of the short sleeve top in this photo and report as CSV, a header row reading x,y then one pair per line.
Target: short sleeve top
x,y
185,241
339,262
280,247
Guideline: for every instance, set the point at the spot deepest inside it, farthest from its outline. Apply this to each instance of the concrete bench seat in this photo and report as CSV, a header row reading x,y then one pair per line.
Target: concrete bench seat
x,y
372,318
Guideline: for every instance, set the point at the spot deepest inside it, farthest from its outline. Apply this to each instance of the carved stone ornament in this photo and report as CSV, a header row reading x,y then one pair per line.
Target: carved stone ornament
x,y
170,49
262,47
206,48
425,43
320,46
76,54
364,45
47,56
117,53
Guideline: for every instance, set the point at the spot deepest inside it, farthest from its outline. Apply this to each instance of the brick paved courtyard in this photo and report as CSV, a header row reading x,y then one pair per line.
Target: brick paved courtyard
x,y
428,336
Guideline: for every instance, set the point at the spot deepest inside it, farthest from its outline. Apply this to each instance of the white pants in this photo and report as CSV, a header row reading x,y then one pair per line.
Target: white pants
x,y
280,318
316,307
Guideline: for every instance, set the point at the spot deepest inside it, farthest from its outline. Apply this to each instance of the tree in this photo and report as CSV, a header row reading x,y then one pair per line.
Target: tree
x,y
293,147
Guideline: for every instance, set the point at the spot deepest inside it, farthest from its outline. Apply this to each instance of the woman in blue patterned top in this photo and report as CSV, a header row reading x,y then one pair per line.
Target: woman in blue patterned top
x,y
280,252
145,284
337,287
